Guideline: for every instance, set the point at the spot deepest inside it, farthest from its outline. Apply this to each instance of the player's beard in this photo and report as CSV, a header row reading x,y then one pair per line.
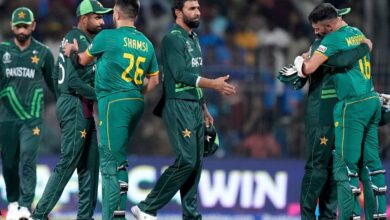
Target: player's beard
x,y
22,38
191,23
94,31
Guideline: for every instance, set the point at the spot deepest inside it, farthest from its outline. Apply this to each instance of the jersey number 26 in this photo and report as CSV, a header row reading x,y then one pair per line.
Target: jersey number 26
x,y
138,71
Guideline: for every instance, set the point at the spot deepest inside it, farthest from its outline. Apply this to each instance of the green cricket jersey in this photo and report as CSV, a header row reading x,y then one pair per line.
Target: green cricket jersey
x,y
182,64
69,80
321,91
22,74
354,81
124,57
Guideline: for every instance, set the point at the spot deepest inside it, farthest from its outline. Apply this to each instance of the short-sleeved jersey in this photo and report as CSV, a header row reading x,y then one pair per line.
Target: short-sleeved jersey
x,y
182,64
67,78
22,75
124,57
354,81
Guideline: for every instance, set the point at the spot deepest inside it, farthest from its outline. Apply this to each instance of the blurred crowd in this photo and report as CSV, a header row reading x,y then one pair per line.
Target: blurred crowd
x,y
248,39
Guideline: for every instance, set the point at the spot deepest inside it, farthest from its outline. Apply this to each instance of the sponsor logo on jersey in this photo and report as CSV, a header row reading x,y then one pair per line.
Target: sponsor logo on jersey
x,y
7,58
322,48
20,72
189,48
197,62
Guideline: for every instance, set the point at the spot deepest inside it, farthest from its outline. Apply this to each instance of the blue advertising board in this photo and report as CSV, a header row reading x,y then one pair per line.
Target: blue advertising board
x,y
228,189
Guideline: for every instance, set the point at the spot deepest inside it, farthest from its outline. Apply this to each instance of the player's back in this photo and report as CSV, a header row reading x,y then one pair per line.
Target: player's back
x,y
356,80
124,55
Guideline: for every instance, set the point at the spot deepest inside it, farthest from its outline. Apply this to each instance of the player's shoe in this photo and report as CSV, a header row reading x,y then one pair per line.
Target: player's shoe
x,y
24,213
13,211
140,215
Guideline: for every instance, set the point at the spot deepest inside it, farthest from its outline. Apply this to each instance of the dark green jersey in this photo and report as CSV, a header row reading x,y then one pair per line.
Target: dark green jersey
x,y
182,64
124,57
354,81
69,80
22,75
318,110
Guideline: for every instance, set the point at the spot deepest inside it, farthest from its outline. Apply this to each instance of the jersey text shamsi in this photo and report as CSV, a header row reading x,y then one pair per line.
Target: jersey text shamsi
x,y
135,44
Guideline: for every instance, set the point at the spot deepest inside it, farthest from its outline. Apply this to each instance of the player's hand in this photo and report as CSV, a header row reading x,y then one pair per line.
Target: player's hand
x,y
223,87
69,48
208,119
368,42
288,71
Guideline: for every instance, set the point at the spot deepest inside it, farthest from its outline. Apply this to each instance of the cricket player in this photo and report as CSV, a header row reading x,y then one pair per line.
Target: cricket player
x,y
184,114
26,64
126,69
75,94
317,183
356,117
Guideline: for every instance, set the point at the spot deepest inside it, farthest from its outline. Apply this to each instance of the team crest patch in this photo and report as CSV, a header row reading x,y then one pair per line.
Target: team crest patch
x,y
7,58
322,48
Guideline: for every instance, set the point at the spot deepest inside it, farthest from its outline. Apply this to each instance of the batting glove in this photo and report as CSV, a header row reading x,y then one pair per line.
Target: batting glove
x,y
298,63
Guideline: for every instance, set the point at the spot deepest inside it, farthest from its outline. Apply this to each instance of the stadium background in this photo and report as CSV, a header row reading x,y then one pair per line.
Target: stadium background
x,y
260,128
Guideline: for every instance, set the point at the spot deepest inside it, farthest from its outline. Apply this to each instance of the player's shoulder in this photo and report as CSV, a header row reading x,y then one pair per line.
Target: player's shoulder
x,y
106,34
73,33
173,36
5,44
40,45
354,30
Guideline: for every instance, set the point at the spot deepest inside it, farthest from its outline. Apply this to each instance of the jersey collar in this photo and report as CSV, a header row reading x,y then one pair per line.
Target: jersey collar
x,y
84,34
184,32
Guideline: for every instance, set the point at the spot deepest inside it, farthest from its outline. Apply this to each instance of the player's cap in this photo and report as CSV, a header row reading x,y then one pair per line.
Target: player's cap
x,y
91,6
22,15
343,11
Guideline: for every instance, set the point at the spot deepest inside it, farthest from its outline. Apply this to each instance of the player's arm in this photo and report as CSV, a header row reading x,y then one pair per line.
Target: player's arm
x,y
78,58
47,70
150,83
174,49
152,77
77,84
55,76
208,119
329,46
311,65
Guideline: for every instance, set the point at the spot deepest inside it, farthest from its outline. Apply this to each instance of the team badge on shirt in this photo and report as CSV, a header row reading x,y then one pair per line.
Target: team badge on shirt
x,y
34,59
7,58
36,131
322,48
323,140
83,134
186,133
